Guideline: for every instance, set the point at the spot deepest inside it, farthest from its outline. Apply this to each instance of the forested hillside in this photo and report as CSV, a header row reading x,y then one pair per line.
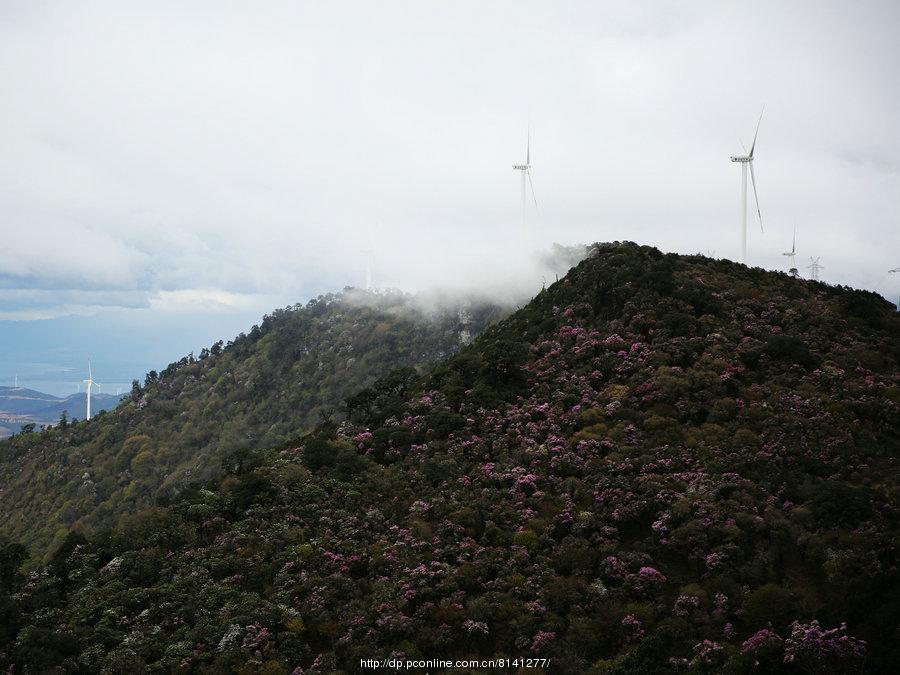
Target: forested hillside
x,y
286,375
661,464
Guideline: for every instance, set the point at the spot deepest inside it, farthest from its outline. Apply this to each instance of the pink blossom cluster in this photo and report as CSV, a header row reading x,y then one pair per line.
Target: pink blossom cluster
x,y
812,644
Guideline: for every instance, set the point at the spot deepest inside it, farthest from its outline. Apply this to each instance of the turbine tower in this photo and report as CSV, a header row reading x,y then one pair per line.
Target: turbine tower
x,y
745,161
367,252
525,169
88,384
894,271
792,254
814,267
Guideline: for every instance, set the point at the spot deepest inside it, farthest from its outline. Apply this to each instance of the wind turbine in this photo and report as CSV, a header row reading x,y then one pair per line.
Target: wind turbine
x,y
367,252
525,169
88,384
745,161
894,271
792,254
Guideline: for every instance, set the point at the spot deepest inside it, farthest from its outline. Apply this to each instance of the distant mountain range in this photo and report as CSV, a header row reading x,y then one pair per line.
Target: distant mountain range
x,y
20,406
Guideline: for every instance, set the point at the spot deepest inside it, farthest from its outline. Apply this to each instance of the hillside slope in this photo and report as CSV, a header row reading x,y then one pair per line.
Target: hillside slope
x,y
263,388
663,463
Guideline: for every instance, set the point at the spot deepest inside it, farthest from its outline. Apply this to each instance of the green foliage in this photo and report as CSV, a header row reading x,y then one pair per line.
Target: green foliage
x,y
837,503
330,457
12,555
263,389
770,605
789,349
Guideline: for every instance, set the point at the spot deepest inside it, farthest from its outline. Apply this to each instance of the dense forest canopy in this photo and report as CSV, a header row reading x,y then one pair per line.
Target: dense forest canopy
x,y
283,377
661,464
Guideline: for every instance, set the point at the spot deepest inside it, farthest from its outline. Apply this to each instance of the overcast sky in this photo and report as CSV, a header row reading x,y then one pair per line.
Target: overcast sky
x,y
230,157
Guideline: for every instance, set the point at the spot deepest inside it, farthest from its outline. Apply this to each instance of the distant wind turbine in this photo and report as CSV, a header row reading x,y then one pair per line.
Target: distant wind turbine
x,y
367,252
526,173
894,271
747,160
88,384
792,254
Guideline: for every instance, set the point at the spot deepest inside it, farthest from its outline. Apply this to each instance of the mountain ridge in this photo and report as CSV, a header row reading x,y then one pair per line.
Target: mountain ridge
x,y
661,463
281,376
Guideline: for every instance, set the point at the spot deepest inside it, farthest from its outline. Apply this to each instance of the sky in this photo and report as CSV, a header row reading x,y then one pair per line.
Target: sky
x,y
172,171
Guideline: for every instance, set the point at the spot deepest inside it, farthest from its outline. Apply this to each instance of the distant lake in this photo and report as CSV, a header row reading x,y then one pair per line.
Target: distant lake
x,y
52,355
64,380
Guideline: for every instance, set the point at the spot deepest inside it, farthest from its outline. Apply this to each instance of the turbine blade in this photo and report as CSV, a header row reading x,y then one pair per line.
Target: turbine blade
x,y
528,146
794,242
533,196
756,196
752,147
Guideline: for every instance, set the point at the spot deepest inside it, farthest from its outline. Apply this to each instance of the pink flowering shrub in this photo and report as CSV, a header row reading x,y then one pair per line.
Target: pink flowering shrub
x,y
764,637
541,640
817,648
707,653
647,580
684,604
631,627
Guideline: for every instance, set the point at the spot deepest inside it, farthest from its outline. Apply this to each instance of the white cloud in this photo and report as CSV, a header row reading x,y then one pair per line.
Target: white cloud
x,y
52,312
192,300
44,251
167,147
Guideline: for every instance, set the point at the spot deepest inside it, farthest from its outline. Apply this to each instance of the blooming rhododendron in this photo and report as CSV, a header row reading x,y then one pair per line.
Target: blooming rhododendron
x,y
816,646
